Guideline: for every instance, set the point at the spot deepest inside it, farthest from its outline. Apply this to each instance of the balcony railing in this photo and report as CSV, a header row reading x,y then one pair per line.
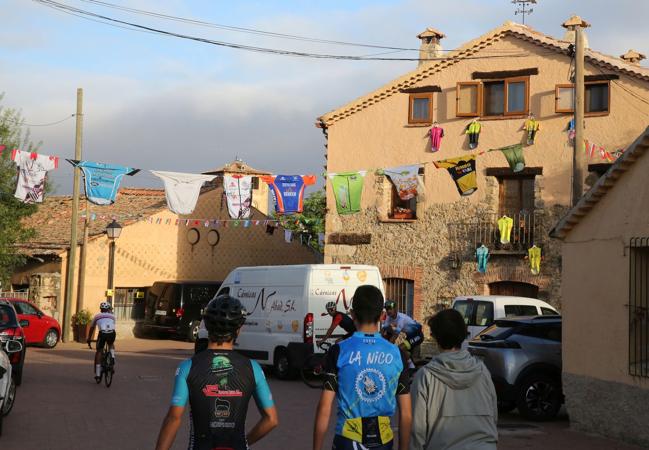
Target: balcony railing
x,y
526,231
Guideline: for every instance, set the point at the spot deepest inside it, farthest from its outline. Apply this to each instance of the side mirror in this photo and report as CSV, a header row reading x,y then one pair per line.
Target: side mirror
x,y
40,314
24,323
13,346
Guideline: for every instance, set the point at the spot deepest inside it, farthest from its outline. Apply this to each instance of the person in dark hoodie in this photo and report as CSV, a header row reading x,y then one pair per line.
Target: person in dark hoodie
x,y
453,398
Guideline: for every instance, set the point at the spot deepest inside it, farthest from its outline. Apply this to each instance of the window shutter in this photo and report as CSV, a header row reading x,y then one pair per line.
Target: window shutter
x,y
468,99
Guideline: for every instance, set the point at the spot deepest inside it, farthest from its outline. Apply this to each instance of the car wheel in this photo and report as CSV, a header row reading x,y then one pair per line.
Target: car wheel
x,y
9,400
51,338
539,397
281,367
192,333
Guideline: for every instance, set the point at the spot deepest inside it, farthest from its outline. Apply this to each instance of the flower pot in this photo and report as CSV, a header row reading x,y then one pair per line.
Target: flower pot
x,y
82,332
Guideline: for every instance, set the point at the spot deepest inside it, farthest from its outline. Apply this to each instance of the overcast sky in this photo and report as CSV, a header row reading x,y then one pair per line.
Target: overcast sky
x,y
155,102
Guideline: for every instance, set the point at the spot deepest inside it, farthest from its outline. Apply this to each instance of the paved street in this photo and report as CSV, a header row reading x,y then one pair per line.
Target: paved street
x,y
59,406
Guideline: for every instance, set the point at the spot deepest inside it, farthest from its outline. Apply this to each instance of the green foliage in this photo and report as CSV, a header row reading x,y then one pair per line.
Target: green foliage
x,y
83,317
12,210
311,222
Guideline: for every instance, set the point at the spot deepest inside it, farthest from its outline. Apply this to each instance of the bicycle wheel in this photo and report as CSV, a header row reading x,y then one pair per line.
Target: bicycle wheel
x,y
107,368
313,372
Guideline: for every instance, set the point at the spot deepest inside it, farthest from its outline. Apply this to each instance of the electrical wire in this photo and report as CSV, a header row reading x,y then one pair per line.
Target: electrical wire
x,y
23,124
87,14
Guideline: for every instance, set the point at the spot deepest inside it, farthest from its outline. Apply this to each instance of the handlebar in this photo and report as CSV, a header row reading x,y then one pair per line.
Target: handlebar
x,y
325,346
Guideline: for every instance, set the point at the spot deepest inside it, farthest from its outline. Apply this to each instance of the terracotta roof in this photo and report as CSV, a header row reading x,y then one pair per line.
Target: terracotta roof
x,y
470,48
52,219
236,167
602,186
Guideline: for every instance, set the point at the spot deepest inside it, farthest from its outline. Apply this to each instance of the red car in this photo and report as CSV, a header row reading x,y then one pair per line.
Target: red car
x,y
40,328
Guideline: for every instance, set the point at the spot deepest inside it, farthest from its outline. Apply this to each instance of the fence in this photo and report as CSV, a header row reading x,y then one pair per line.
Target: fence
x,y
15,294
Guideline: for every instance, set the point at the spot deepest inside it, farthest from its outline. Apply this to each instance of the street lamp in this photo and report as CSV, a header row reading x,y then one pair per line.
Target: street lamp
x,y
113,230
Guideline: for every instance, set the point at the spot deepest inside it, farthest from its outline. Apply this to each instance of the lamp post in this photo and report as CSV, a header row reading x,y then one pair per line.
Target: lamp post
x,y
113,230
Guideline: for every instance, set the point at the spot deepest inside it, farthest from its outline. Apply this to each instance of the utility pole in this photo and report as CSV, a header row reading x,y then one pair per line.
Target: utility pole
x,y
72,254
81,288
579,159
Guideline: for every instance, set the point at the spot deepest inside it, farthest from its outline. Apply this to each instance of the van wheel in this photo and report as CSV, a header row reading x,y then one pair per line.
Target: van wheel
x,y
281,367
192,333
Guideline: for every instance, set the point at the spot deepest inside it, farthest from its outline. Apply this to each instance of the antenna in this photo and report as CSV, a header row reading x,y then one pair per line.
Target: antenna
x,y
522,7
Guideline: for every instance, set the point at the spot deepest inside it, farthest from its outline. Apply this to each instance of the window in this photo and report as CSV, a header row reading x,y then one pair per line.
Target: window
x,y
520,310
197,295
255,183
493,98
596,100
401,291
401,209
515,194
548,312
639,307
25,308
550,332
421,108
475,313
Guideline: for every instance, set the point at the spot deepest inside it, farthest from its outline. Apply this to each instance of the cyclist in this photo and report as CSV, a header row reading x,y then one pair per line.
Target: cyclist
x,y
368,377
338,319
218,384
401,328
105,321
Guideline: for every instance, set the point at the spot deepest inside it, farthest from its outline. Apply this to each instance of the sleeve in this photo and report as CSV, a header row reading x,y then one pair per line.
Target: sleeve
x,y
309,180
403,387
268,179
94,321
262,394
331,369
16,156
180,395
420,411
337,319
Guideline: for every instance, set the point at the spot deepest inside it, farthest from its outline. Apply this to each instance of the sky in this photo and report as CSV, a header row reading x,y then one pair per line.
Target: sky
x,y
162,103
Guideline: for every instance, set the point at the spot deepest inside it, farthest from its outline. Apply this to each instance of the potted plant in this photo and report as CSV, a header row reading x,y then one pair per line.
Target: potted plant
x,y
81,325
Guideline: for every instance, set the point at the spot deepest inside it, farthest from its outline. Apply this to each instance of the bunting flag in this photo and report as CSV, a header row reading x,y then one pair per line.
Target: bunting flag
x,y
238,193
288,191
463,173
514,156
593,149
406,180
32,172
182,189
348,190
102,180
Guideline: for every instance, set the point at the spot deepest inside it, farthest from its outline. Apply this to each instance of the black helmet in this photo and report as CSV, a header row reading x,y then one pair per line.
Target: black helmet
x,y
390,304
224,315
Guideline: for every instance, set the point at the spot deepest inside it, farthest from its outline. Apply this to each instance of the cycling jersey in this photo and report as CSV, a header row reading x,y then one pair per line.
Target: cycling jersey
x,y
104,321
367,373
218,385
401,321
345,322
288,191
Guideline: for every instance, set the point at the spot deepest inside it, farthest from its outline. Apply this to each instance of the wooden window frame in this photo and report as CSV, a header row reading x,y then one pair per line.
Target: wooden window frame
x,y
572,110
411,100
526,109
477,84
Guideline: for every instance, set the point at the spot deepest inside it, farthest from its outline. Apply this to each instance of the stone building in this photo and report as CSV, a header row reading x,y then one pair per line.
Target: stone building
x,y
605,249
426,247
155,245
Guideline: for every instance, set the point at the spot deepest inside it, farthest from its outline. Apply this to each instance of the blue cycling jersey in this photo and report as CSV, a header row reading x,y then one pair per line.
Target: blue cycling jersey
x,y
401,321
367,373
102,180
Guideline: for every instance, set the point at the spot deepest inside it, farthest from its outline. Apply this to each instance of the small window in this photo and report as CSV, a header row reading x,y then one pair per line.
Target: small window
x,y
520,310
551,332
475,313
516,96
255,183
596,100
421,108
493,98
401,209
402,291
199,295
468,99
548,312
224,291
25,308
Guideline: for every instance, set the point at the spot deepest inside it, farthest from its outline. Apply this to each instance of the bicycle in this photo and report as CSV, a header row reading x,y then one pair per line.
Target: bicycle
x,y
107,366
313,370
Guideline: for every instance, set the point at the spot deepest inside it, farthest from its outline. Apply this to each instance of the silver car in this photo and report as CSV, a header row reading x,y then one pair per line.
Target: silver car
x,y
523,355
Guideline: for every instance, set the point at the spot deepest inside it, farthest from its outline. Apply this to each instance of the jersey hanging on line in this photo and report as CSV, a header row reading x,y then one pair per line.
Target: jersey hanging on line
x,y
288,191
32,172
102,180
462,170
238,194
348,189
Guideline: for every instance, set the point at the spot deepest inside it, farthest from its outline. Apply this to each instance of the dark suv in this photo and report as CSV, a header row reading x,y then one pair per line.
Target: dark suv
x,y
523,355
10,329
175,307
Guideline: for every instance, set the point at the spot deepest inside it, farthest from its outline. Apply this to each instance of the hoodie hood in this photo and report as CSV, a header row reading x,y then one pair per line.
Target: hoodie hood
x,y
457,370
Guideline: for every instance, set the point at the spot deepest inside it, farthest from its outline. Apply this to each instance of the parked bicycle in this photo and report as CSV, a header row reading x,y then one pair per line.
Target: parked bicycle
x,y
107,366
313,370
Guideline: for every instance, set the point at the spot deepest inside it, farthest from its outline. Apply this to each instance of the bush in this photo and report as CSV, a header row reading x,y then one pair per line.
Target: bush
x,y
83,317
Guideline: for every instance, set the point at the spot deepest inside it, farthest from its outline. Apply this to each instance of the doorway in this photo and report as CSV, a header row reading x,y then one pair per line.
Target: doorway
x,y
514,289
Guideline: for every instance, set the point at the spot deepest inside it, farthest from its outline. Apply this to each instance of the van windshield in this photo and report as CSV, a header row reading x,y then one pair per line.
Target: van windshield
x,y
475,313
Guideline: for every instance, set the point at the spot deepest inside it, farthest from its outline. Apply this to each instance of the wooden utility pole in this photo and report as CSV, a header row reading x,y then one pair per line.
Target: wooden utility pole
x,y
72,254
83,254
579,158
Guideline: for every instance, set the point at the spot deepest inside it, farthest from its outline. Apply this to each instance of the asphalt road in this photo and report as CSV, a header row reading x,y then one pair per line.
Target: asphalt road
x,y
59,406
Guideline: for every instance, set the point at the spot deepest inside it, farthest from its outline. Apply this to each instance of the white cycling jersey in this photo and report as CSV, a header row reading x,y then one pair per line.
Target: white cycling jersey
x,y
105,322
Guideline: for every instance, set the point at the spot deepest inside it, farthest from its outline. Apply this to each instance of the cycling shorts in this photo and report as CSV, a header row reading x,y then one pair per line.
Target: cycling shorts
x,y
342,443
105,337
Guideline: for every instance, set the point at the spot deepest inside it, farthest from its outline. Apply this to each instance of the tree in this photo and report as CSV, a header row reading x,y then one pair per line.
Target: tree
x,y
311,222
12,210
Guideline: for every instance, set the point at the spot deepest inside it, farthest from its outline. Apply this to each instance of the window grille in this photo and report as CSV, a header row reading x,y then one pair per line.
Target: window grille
x,y
638,307
401,291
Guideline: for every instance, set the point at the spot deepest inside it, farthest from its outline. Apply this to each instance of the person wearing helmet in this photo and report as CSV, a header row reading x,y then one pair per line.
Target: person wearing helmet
x,y
105,322
338,319
218,384
404,330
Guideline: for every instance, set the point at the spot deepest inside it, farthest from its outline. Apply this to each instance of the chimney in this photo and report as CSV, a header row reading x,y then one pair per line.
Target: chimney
x,y
570,24
633,57
430,45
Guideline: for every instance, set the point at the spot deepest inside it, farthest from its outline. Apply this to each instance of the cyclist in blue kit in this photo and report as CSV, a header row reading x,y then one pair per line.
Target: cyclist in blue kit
x,y
368,377
218,384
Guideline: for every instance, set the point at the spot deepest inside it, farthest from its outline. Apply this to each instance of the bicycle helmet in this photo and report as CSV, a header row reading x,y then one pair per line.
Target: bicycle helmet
x,y
330,306
224,315
105,306
390,304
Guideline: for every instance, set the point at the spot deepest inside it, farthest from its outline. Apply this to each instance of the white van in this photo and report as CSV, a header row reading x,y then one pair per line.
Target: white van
x,y
480,311
286,307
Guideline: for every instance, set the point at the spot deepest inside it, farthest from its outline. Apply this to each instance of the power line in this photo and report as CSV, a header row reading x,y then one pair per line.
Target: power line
x,y
66,8
23,124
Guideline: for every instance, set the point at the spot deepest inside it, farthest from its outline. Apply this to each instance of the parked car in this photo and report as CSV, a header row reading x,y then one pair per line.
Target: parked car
x,y
10,330
523,355
174,308
39,328
480,311
7,380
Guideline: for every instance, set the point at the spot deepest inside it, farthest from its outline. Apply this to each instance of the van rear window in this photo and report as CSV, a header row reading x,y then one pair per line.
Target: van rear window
x,y
475,313
200,295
